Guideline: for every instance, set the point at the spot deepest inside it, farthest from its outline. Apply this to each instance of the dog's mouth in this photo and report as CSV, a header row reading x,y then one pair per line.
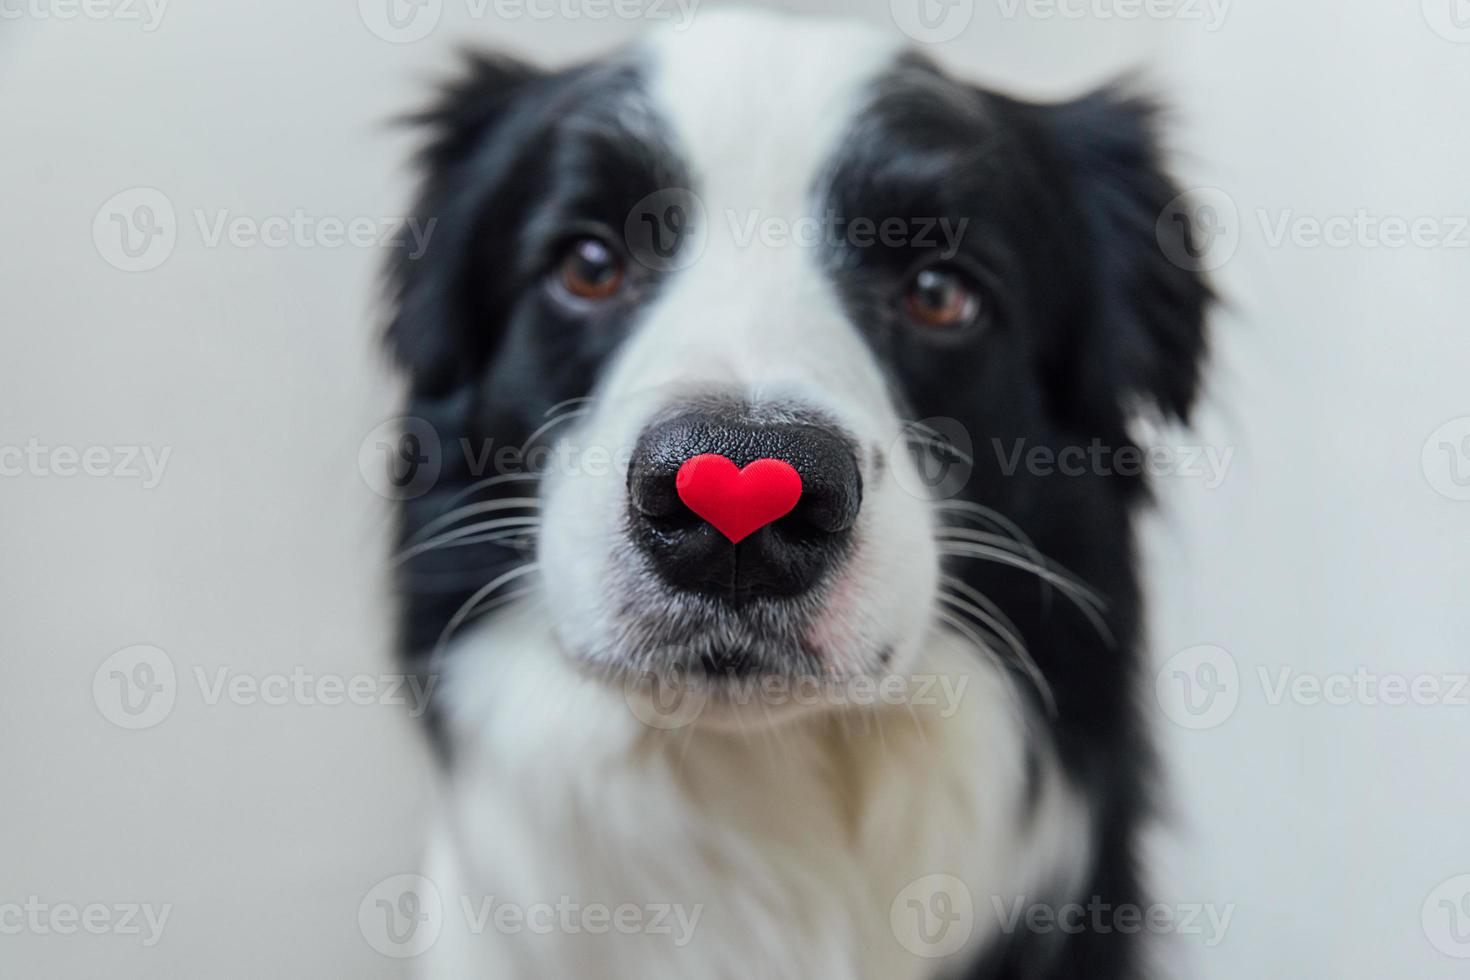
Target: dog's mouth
x,y
746,662
719,640
735,688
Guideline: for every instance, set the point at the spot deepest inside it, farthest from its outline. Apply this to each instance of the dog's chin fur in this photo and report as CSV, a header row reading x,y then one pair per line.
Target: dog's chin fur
x,y
808,832
795,840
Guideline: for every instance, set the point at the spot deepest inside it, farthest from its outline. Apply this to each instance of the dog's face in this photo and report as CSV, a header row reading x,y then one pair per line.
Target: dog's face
x,y
792,240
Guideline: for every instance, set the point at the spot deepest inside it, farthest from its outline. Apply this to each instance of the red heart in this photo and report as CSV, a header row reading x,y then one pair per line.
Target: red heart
x,y
738,501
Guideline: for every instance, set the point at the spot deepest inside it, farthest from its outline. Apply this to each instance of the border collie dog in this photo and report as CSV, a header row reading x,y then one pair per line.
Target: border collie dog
x,y
868,737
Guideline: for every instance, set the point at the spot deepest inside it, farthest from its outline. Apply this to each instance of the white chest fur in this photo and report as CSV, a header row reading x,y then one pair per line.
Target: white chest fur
x,y
576,841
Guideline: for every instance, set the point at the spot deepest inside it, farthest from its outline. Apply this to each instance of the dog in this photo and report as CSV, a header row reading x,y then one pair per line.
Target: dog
x,y
848,740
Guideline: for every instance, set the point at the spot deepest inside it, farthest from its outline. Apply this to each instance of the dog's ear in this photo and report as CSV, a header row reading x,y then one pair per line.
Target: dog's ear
x,y
1143,337
463,160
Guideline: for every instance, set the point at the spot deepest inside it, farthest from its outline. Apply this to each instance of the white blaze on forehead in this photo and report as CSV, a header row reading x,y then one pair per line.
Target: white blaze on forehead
x,y
757,106
758,101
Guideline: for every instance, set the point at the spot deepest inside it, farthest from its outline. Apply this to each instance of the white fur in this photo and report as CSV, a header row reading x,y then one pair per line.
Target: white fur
x,y
792,840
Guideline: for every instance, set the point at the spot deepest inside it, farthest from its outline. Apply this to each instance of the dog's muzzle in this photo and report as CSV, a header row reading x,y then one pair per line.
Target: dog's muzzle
x,y
788,556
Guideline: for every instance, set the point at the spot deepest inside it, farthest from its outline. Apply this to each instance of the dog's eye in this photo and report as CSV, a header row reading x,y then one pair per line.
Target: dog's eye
x,y
943,299
590,269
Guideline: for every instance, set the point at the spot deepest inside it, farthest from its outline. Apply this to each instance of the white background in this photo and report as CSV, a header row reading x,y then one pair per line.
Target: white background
x,y
1327,547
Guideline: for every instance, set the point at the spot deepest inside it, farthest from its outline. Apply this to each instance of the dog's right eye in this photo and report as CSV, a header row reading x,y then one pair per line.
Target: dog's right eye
x,y
941,298
591,269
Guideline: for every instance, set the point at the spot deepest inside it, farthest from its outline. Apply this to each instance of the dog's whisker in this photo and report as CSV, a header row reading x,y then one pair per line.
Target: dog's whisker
x,y
552,423
501,600
1002,623
525,539
582,400
491,481
471,510
991,516
1086,603
968,632
468,607
923,427
957,534
1064,579
1078,593
1013,642
940,444
448,583
465,536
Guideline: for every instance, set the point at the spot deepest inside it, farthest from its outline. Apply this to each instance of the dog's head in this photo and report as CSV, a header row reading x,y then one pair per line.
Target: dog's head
x,y
781,239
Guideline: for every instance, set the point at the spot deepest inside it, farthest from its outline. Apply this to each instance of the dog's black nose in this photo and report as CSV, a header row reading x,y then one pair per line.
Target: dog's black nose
x,y
788,550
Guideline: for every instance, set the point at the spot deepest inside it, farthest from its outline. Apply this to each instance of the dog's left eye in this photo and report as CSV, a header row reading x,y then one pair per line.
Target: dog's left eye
x,y
943,298
590,269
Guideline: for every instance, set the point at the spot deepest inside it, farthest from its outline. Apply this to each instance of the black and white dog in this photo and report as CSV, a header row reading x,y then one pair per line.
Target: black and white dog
x,y
851,744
